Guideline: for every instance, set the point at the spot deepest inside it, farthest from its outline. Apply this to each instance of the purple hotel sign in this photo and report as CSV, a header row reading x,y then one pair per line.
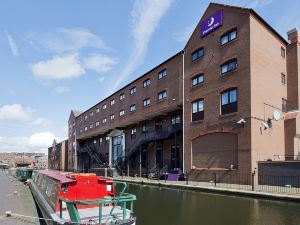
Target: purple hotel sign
x,y
211,23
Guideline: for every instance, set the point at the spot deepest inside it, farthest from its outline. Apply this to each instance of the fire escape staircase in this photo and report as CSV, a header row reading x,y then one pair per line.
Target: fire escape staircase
x,y
99,158
145,138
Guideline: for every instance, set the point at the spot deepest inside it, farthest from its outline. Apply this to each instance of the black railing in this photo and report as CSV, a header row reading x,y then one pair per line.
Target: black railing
x,y
100,159
145,138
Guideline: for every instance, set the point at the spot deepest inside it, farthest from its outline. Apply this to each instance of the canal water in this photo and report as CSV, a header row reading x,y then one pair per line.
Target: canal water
x,y
163,206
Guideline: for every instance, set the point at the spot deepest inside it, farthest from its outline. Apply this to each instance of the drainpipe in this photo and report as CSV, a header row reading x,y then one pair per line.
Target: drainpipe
x,y
183,121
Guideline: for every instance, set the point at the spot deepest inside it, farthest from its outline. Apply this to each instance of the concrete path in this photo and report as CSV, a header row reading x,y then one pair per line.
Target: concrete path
x,y
209,187
17,198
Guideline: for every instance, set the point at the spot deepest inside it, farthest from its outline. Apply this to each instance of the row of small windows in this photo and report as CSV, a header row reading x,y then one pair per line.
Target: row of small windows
x,y
146,102
132,91
228,102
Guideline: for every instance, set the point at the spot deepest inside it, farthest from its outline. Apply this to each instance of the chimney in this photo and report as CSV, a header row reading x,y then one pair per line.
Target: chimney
x,y
293,36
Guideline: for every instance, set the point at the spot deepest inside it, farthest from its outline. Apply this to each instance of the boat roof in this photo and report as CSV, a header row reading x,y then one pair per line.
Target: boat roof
x,y
62,177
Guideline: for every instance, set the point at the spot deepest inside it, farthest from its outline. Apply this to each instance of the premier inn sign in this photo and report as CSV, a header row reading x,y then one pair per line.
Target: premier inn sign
x,y
211,23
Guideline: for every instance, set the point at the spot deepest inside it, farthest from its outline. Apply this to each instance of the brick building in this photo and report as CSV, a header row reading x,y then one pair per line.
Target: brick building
x,y
225,102
58,156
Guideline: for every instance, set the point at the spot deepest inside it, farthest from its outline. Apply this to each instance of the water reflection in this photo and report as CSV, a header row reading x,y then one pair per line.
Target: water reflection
x,y
161,206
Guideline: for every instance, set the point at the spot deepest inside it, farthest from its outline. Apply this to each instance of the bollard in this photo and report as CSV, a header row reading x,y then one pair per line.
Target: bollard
x,y
252,180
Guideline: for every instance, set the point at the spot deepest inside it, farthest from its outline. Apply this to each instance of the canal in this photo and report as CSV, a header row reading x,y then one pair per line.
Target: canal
x,y
162,206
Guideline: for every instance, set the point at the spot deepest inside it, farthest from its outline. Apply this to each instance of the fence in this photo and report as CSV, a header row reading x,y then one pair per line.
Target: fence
x,y
231,180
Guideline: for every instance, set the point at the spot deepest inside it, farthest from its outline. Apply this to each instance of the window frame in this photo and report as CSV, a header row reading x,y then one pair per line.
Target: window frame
x,y
196,77
163,95
112,117
122,112
231,106
132,90
161,74
228,35
283,52
112,102
198,115
122,97
146,82
201,49
133,105
146,99
227,63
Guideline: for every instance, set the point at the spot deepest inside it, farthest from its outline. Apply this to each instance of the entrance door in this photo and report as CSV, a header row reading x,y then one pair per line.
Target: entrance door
x,y
175,156
117,148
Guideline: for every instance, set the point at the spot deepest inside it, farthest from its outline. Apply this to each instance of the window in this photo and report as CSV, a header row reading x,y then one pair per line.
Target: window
x,y
122,112
162,74
97,124
132,108
80,130
145,128
146,102
175,119
284,105
112,102
85,117
146,82
112,116
133,133
104,106
91,126
197,79
229,101
283,78
92,113
104,120
85,129
197,54
97,110
283,52
229,66
162,95
228,37
122,97
133,90
198,110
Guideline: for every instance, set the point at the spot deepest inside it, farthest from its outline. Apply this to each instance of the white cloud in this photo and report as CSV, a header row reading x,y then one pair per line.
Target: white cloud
x,y
12,44
61,89
146,16
35,142
58,68
41,140
101,79
99,63
68,40
15,113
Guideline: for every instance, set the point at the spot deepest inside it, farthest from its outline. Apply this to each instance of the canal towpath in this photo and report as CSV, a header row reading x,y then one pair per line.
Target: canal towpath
x,y
16,198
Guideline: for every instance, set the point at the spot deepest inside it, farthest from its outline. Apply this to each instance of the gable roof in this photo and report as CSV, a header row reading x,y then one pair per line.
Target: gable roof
x,y
245,10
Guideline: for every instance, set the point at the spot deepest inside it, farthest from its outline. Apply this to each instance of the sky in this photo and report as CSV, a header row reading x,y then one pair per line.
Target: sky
x,y
57,55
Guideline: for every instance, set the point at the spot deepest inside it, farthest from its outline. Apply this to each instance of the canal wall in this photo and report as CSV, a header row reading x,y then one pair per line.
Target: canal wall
x,y
197,186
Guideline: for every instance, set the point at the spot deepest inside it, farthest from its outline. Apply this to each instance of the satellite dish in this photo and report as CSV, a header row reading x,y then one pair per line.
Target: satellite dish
x,y
276,115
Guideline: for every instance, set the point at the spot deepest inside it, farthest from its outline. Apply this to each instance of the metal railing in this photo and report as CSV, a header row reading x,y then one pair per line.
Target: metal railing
x,y
122,199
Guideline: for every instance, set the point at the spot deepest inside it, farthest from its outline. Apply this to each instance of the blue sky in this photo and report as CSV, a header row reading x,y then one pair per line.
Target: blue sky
x,y
61,55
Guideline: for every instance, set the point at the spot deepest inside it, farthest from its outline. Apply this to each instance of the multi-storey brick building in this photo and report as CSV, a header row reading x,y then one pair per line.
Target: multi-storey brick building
x,y
58,156
224,103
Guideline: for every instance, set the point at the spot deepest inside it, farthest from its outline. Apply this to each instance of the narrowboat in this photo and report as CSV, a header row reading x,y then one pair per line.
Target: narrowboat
x,y
23,174
81,198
